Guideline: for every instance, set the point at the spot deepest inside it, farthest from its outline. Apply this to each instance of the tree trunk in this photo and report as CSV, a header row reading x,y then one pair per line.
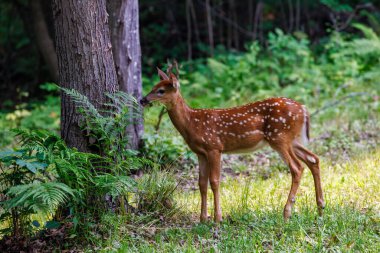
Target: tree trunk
x,y
195,21
235,21
258,13
43,40
125,37
189,32
85,61
210,28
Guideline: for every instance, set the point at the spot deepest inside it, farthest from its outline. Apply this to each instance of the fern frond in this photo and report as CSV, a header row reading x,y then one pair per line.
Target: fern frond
x,y
368,32
38,197
366,46
82,102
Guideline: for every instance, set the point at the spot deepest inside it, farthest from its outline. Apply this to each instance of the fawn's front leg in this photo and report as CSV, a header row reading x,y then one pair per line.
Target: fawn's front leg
x,y
213,163
203,184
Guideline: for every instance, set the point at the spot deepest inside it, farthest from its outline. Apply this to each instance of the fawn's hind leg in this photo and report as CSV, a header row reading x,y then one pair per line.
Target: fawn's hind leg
x,y
296,170
312,161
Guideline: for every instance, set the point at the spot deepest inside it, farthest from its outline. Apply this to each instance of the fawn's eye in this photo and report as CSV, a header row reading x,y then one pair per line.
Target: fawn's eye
x,y
161,92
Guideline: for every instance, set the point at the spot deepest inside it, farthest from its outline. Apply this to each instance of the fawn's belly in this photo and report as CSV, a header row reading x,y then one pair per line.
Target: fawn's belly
x,y
248,149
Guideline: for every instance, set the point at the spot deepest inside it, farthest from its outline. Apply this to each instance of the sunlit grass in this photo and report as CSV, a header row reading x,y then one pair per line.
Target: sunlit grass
x,y
353,183
252,209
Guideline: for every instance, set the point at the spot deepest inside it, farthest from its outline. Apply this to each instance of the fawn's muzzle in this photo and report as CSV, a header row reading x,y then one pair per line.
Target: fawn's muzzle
x,y
144,101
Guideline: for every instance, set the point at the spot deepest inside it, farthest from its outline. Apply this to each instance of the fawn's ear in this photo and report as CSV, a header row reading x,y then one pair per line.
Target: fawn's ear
x,y
174,81
162,74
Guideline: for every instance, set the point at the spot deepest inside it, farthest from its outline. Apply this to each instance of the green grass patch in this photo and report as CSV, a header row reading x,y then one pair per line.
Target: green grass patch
x,y
253,221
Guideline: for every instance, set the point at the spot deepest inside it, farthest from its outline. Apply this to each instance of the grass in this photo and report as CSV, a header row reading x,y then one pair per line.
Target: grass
x,y
253,222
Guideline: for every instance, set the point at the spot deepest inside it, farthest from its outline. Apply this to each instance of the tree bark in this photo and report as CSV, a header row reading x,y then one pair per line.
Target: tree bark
x,y
43,40
125,37
85,61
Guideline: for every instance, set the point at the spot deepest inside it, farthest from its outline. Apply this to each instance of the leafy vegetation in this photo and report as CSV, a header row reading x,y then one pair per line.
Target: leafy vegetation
x,y
108,203
45,177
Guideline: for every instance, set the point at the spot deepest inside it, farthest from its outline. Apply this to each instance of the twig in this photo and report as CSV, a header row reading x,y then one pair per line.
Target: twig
x,y
352,15
336,102
227,20
162,112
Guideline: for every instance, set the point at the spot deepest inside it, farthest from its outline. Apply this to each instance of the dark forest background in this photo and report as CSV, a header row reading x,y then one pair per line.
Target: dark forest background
x,y
186,30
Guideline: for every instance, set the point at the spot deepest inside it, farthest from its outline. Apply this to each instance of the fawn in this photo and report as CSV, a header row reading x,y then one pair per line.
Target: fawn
x,y
281,123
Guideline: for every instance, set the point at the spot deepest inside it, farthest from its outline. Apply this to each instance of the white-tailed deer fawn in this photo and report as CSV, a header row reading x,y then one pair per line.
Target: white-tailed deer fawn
x,y
280,122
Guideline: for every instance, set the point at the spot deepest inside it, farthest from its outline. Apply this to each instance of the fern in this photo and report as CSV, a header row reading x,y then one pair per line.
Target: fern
x,y
108,126
38,197
82,102
368,45
41,142
46,176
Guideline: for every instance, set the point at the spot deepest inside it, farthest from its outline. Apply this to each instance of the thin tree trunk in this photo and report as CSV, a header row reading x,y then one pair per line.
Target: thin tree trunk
x,y
189,32
250,15
229,28
85,61
258,12
125,37
261,29
195,21
44,42
234,18
221,26
209,27
298,13
284,18
291,16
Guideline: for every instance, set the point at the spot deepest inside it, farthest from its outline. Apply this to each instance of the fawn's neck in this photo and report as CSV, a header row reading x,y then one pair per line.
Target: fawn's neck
x,y
179,114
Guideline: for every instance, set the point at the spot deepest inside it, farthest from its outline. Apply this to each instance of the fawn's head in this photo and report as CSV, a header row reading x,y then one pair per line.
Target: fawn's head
x,y
166,91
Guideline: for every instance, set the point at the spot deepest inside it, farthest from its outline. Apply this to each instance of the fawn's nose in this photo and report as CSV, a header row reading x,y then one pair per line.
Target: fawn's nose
x,y
144,101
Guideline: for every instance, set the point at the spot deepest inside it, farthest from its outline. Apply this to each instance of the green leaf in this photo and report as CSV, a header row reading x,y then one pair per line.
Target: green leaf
x,y
75,221
36,223
52,224
31,166
10,153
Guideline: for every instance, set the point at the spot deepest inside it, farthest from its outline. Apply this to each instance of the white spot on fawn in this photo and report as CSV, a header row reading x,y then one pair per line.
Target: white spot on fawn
x,y
311,159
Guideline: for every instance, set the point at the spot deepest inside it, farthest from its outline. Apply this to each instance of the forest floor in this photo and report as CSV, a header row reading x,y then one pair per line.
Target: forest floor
x,y
252,203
